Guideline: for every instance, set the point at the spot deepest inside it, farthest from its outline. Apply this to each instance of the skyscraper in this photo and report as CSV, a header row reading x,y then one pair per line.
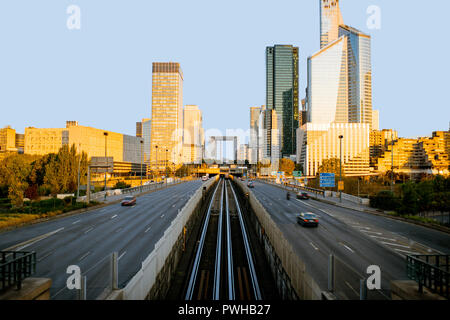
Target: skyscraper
x,y
282,95
167,114
255,113
330,20
193,135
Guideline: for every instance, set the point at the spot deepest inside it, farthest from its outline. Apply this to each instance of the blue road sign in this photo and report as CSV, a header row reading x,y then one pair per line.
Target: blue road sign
x,y
327,180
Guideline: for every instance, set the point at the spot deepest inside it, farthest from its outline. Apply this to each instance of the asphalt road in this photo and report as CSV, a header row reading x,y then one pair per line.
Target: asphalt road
x,y
356,239
88,240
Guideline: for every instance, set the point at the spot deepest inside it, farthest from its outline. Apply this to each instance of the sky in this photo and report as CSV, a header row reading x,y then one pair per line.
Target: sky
x,y
100,75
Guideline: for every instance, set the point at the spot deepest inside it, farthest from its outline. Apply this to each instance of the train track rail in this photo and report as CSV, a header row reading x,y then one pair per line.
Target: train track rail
x,y
223,267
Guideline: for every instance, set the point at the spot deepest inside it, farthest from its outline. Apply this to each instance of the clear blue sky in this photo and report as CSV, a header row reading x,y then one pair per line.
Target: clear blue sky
x,y
101,75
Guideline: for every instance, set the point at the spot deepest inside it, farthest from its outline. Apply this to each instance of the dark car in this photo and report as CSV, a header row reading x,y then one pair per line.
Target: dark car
x,y
128,201
250,184
302,196
308,219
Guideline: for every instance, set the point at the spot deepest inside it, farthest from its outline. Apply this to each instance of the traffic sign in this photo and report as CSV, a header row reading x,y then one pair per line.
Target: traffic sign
x,y
327,180
297,174
341,186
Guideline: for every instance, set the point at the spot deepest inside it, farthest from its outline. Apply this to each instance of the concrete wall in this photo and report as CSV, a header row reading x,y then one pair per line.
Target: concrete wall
x,y
32,289
153,280
288,269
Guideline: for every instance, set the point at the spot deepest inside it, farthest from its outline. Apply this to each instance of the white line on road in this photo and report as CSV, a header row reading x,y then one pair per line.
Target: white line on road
x,y
43,257
28,243
89,230
312,244
84,256
383,238
354,291
348,248
148,229
408,252
162,216
120,257
397,245
377,233
76,222
114,216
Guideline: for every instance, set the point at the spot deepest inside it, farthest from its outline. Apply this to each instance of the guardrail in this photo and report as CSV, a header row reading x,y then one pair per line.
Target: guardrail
x,y
15,266
430,271
296,187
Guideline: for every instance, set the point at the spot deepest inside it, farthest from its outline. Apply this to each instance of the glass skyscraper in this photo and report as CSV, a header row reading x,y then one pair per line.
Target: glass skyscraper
x,y
282,96
330,20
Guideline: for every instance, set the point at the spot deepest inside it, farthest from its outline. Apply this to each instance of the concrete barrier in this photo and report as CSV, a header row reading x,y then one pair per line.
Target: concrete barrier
x,y
153,279
288,269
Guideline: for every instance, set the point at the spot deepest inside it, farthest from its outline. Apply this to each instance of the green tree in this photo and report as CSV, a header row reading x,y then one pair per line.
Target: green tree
x,y
331,166
410,200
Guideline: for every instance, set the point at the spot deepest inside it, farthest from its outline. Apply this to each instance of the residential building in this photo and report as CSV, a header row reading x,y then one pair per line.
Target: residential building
x,y
167,115
243,154
379,143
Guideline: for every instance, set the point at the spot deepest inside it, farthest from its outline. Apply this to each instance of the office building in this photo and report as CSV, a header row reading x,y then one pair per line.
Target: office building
x,y
319,142
243,154
282,78
375,119
167,115
254,141
330,20
193,135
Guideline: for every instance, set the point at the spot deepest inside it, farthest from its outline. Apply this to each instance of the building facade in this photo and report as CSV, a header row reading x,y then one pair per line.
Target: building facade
x,y
167,115
282,78
193,135
330,20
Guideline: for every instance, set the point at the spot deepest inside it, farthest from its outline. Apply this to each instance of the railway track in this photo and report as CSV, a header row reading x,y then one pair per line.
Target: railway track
x,y
223,267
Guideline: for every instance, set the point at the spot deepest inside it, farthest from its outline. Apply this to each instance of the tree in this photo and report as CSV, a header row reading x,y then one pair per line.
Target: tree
x,y
299,167
331,166
287,166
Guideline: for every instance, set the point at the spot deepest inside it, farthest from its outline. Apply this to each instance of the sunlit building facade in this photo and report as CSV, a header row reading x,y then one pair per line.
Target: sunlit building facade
x,y
193,135
330,20
167,115
319,142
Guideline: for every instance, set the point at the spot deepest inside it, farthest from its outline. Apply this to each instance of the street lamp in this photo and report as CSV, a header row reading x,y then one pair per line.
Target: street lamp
x,y
167,151
340,166
106,160
156,147
142,143
392,163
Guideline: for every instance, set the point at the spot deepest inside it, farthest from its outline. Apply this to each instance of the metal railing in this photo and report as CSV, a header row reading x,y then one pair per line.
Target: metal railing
x,y
430,271
15,266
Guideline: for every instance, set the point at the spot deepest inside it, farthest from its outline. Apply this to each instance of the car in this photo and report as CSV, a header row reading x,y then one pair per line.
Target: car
x,y
128,201
308,219
302,196
251,184
204,178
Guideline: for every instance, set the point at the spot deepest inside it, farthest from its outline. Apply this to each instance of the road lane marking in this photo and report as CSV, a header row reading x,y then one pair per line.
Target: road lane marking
x,y
76,222
162,216
118,230
312,244
397,245
354,291
114,216
32,241
348,248
309,205
148,229
383,238
45,256
89,230
120,257
84,256
408,252
366,231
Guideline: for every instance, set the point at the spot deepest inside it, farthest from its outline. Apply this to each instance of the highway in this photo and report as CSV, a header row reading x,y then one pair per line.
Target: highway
x,y
88,239
357,239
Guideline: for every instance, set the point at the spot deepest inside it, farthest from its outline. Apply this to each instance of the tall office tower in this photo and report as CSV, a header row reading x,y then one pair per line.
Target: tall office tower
x,y
330,20
167,115
139,129
193,135
282,94
359,68
375,119
146,134
255,113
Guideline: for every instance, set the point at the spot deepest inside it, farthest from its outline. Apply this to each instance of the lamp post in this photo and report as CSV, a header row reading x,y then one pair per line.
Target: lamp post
x,y
392,163
106,160
156,147
340,166
167,151
142,143
79,164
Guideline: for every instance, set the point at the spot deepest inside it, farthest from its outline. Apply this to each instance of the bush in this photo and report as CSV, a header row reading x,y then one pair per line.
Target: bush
x,y
121,185
385,200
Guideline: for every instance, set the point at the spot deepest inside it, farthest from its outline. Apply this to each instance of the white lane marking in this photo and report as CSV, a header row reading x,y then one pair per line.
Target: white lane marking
x,y
103,210
309,205
89,230
408,252
365,228
76,222
312,244
30,242
394,244
84,256
162,216
43,257
148,229
114,216
348,248
366,231
354,291
383,238
120,257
